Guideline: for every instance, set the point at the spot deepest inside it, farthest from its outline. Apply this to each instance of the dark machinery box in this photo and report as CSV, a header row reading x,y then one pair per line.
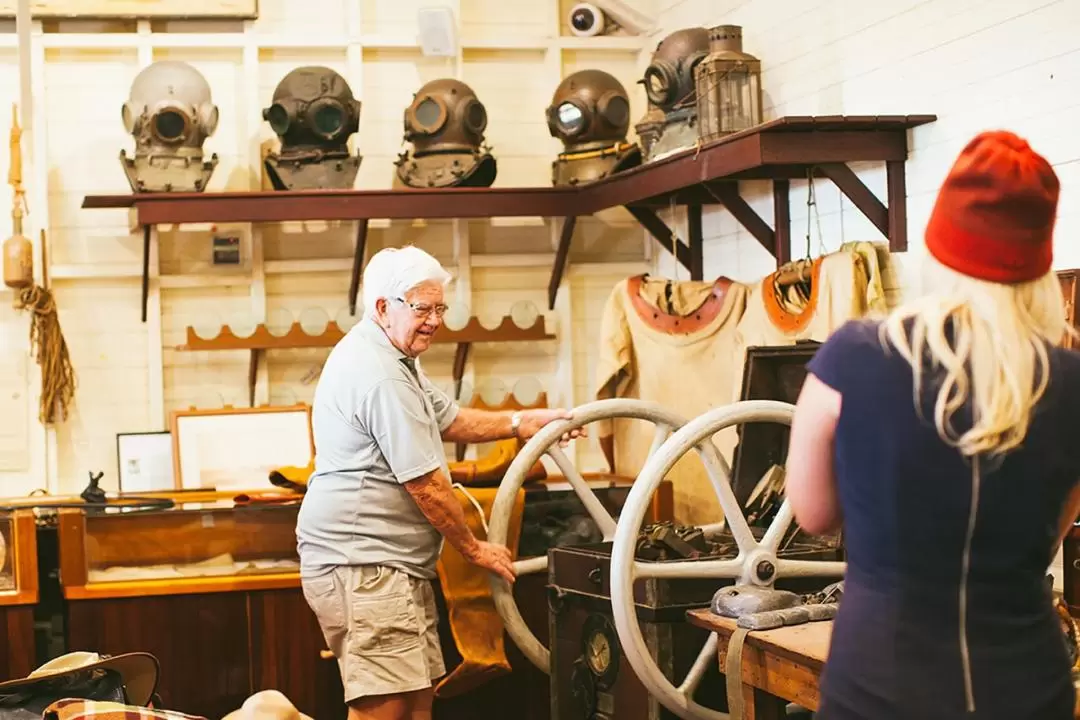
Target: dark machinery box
x,y
589,678
770,373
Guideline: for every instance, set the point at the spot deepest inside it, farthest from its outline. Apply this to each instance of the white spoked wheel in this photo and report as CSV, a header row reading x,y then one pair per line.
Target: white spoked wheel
x,y
756,563
546,442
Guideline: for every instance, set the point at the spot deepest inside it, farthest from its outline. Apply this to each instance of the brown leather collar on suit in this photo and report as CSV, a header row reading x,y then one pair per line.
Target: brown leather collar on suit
x,y
677,324
782,318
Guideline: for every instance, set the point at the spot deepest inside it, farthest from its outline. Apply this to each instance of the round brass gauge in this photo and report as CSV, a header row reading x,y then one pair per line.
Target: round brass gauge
x,y
600,648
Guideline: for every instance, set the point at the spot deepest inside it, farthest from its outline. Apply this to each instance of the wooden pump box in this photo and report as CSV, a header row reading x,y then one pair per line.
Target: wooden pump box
x,y
590,680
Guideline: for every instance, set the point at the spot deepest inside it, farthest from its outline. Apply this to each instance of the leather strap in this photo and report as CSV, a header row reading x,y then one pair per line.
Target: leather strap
x,y
677,324
733,673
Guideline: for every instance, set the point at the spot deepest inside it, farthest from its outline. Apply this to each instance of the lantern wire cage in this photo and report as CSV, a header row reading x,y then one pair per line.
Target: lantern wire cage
x,y
728,86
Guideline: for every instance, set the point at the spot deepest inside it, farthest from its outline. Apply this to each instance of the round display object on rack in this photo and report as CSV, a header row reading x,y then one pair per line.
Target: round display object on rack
x,y
279,322
243,325
527,391
314,321
456,317
524,314
757,563
207,325
345,320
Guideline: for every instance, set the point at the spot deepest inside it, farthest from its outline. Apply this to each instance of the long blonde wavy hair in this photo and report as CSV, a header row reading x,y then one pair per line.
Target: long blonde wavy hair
x,y
998,358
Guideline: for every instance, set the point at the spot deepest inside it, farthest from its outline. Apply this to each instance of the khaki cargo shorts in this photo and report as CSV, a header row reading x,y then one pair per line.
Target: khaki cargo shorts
x,y
382,626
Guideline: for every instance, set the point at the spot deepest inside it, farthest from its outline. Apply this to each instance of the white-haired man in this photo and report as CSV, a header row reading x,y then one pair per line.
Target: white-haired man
x,y
380,501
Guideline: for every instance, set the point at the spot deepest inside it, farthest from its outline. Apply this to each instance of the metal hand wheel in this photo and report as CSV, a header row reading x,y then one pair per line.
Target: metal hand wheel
x,y
756,563
547,442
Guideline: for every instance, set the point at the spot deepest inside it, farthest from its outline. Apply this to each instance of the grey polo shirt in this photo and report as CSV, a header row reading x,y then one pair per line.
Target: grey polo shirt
x,y
377,422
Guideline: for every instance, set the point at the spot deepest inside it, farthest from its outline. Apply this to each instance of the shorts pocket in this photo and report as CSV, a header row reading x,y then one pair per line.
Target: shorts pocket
x,y
324,597
385,624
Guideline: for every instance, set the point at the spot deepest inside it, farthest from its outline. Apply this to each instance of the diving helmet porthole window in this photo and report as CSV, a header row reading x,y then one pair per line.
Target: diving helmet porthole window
x,y
170,114
445,124
590,114
313,113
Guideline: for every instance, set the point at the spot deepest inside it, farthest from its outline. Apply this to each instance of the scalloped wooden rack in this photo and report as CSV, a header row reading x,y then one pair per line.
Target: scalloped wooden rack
x,y
262,339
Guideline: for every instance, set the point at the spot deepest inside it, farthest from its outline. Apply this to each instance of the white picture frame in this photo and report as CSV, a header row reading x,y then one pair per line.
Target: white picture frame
x,y
144,462
234,449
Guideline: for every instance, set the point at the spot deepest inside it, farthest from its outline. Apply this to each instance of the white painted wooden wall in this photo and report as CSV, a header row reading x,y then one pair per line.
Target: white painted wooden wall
x,y
130,376
976,64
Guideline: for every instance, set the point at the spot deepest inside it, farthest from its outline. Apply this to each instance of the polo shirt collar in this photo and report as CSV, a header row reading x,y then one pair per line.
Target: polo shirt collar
x,y
374,334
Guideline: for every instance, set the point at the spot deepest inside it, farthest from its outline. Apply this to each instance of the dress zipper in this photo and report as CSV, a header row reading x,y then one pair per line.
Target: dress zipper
x,y
965,655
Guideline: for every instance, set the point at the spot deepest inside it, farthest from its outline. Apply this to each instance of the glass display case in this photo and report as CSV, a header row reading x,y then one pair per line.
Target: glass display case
x,y
18,558
7,572
191,547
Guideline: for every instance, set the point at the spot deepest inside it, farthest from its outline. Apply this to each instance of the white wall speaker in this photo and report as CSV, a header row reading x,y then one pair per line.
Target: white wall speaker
x,y
438,32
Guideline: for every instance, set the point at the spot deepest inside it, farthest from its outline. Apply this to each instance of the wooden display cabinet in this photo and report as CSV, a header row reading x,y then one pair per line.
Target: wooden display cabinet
x,y
18,592
212,590
191,548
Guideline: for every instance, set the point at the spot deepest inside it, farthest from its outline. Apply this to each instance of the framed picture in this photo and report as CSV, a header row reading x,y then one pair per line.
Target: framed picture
x,y
235,449
102,9
145,461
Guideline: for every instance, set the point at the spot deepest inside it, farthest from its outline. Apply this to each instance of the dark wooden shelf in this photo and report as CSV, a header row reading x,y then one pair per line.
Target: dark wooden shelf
x,y
299,205
781,150
262,339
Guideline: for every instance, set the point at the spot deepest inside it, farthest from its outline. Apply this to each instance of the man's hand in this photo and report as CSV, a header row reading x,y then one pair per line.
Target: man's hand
x,y
495,558
533,420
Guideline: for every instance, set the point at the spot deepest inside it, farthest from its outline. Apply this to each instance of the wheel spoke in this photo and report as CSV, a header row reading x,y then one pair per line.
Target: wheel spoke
x,y
697,670
531,565
714,529
588,498
659,436
720,476
727,569
778,527
809,568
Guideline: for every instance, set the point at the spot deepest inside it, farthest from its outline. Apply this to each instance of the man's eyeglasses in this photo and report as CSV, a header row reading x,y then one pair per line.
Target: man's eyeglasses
x,y
422,310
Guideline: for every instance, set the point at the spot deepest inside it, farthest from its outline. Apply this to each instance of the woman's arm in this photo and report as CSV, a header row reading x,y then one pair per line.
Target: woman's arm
x,y
809,479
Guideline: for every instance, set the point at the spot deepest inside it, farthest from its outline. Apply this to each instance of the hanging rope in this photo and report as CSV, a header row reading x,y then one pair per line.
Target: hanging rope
x,y
51,351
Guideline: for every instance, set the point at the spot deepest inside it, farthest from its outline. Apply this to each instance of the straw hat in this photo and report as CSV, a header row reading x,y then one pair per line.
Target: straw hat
x,y
267,705
138,671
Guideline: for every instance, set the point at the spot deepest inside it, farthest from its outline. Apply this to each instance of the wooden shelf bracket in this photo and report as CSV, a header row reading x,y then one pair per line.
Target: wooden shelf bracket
x,y
562,254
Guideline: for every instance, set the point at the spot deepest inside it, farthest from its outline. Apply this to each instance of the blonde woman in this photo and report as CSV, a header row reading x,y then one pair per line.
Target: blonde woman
x,y
944,441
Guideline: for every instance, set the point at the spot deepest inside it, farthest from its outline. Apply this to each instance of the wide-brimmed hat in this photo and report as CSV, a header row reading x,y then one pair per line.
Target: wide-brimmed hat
x,y
138,671
267,705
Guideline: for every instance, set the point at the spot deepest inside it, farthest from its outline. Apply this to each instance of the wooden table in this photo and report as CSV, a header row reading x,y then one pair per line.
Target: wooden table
x,y
778,666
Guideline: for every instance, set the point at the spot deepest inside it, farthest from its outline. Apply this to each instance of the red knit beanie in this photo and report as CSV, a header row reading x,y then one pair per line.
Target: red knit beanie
x,y
994,215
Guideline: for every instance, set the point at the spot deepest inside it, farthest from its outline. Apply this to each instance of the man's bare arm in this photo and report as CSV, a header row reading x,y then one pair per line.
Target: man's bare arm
x,y
475,426
435,498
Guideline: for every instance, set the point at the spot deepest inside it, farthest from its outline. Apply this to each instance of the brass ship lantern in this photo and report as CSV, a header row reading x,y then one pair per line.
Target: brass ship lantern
x,y
728,83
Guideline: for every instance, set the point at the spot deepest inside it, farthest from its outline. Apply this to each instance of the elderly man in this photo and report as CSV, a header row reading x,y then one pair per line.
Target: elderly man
x,y
380,501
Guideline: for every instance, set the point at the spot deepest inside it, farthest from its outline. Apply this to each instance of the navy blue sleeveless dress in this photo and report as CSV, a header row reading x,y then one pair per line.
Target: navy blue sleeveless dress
x,y
946,614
